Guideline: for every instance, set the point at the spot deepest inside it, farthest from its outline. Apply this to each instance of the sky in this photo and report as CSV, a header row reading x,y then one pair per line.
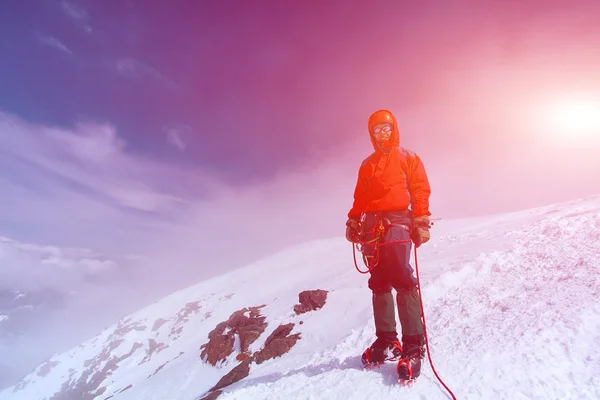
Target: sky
x,y
204,135
509,315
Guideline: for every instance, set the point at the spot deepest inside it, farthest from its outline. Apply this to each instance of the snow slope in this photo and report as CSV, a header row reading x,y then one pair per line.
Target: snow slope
x,y
511,304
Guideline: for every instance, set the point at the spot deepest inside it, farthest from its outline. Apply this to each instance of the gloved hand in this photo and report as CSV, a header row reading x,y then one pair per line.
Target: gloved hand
x,y
352,230
420,232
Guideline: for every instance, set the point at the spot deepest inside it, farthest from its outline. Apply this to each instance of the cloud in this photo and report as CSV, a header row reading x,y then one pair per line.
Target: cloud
x,y
83,187
175,135
53,42
92,158
133,68
74,11
77,13
49,266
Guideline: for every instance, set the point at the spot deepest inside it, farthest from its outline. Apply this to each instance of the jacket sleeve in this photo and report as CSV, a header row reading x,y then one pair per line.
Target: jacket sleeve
x,y
418,186
359,196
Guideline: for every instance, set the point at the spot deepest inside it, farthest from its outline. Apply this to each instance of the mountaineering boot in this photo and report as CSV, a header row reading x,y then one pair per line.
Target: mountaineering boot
x,y
386,346
409,366
380,352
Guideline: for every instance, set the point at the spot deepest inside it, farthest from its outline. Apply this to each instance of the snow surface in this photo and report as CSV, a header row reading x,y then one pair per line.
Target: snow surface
x,y
511,304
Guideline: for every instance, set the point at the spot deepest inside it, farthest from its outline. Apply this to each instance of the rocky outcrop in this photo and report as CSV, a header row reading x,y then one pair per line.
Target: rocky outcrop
x,y
278,343
238,373
87,387
153,347
158,323
46,367
182,317
310,300
222,338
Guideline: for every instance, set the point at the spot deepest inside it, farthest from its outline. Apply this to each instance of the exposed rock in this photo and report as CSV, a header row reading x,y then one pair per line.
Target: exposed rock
x,y
46,367
153,347
126,388
87,387
242,356
218,348
239,372
182,317
158,323
310,300
163,365
222,338
158,369
278,343
125,326
212,395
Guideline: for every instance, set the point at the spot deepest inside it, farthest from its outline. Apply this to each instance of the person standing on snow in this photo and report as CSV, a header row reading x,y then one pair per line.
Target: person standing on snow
x,y
392,191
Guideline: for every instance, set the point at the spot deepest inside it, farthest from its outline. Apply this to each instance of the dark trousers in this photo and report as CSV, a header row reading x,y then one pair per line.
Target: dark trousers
x,y
393,271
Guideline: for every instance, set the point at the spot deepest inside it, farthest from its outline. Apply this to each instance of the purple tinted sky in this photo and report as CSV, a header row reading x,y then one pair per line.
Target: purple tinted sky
x,y
130,123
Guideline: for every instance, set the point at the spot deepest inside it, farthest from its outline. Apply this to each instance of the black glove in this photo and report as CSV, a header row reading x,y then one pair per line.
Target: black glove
x,y
352,230
420,232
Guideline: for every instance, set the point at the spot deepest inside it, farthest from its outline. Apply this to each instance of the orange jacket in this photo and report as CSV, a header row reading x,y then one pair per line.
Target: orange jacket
x,y
391,181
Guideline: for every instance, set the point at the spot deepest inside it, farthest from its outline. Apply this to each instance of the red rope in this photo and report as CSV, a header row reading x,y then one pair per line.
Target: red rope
x,y
374,263
425,329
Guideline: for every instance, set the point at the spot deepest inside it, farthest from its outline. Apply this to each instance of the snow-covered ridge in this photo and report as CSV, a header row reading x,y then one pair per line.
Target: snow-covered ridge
x,y
511,306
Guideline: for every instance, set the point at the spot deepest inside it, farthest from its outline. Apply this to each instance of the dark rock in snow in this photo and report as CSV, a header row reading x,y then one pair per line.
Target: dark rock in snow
x,y
238,373
278,343
87,386
158,323
310,300
222,338
218,348
126,388
182,317
46,367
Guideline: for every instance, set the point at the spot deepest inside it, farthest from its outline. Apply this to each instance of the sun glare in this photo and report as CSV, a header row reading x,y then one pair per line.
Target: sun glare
x,y
575,119
582,118
568,120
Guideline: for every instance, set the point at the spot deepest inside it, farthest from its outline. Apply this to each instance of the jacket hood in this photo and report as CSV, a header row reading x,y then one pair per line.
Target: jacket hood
x,y
380,117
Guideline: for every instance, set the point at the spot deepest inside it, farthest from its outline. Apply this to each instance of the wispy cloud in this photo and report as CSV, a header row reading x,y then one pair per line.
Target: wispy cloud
x,y
53,42
92,157
73,10
83,187
131,68
175,135
78,13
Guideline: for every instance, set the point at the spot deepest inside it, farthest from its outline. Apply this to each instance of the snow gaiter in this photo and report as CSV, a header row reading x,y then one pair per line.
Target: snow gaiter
x,y
409,311
385,317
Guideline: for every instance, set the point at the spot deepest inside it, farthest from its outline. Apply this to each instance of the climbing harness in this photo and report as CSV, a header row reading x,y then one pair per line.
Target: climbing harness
x,y
370,241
